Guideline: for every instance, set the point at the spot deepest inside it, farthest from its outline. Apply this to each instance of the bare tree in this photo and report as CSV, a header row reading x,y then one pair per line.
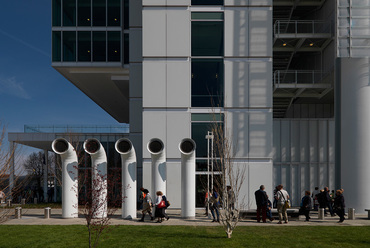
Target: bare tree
x,y
231,177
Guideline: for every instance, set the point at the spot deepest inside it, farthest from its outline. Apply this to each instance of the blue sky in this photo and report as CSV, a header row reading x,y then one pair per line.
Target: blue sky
x,y
31,91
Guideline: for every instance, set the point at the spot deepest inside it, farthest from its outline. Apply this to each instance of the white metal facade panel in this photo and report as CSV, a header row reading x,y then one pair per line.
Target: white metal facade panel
x,y
259,173
154,32
260,29
236,83
237,125
154,2
154,126
154,83
236,32
178,90
260,84
174,183
178,128
260,135
247,2
178,32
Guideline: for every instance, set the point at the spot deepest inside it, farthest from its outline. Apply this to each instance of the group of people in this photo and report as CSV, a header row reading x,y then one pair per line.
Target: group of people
x,y
161,204
335,205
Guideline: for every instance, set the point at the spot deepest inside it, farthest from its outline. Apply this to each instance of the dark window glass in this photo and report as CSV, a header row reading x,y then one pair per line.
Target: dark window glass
x,y
99,47
114,12
126,14
57,48
99,15
207,2
207,38
69,13
84,46
69,46
57,13
84,12
207,83
114,46
198,134
207,16
126,49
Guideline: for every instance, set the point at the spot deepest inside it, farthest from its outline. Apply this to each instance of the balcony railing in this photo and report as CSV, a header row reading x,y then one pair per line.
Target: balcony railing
x,y
302,27
298,77
124,128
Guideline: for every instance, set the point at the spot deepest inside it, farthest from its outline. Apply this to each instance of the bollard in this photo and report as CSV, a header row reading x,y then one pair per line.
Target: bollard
x,y
47,212
35,200
321,213
9,203
23,201
18,212
351,213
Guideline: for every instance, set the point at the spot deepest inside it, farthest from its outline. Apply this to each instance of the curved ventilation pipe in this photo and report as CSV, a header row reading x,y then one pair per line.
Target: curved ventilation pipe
x,y
69,177
128,158
99,177
187,149
159,175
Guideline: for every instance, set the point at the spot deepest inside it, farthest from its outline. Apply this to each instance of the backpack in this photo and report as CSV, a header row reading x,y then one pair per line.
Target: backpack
x,y
164,198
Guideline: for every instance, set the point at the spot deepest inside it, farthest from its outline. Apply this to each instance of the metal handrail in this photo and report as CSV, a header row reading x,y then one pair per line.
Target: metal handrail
x,y
124,128
300,27
297,76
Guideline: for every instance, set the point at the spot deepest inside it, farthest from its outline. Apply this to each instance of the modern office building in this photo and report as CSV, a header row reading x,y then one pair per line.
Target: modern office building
x,y
288,79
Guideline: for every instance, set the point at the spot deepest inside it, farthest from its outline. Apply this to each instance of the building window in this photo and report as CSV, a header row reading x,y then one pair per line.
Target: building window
x,y
207,2
126,51
84,12
69,46
126,14
57,13
114,12
84,46
69,12
114,46
99,13
207,83
99,46
207,38
57,46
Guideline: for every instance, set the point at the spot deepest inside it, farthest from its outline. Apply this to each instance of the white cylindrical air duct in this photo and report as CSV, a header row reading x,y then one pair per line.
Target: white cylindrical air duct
x,y
187,149
159,175
69,177
99,177
128,157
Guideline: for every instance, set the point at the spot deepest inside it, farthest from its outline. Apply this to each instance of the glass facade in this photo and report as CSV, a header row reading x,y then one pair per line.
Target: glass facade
x,y
57,13
207,2
207,38
99,13
99,46
114,12
84,46
69,46
84,13
69,13
56,46
114,46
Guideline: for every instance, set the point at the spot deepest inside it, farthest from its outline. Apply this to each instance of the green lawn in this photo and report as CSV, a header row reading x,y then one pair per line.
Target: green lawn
x,y
186,236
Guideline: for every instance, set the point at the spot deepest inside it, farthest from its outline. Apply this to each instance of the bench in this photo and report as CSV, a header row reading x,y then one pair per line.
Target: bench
x,y
368,213
293,214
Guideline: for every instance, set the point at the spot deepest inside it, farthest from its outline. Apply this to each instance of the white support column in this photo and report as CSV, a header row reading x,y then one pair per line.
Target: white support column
x,y
46,173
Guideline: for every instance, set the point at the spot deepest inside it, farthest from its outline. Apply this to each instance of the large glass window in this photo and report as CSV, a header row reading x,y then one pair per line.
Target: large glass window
x,y
84,12
207,2
57,46
69,46
99,47
207,83
99,13
69,12
114,46
57,13
126,14
114,12
84,46
126,49
207,38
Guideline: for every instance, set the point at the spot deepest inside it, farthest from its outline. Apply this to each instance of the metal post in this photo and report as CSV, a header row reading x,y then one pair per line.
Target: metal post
x,y
321,213
351,214
18,212
47,212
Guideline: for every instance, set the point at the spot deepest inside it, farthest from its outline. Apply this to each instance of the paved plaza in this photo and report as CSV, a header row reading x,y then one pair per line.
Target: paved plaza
x,y
36,217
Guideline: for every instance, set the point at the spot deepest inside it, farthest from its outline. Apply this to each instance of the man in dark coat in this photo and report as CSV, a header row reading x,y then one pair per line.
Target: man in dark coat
x,y
328,202
261,201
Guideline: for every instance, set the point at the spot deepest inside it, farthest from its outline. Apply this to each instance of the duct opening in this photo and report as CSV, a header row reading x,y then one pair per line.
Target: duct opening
x,y
92,145
124,146
155,146
187,146
61,145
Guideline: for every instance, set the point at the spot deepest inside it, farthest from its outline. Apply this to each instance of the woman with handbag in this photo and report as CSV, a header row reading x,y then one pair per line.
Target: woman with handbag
x,y
160,204
282,198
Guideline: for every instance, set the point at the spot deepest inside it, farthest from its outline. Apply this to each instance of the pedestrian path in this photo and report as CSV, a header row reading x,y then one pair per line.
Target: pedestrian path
x,y
36,217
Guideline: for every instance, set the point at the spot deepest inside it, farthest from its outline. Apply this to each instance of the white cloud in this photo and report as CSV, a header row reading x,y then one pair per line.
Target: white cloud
x,y
11,87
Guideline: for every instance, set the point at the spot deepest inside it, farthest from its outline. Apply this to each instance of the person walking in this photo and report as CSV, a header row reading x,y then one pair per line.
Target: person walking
x,y
314,199
281,197
306,205
261,201
159,204
215,201
147,205
339,205
327,200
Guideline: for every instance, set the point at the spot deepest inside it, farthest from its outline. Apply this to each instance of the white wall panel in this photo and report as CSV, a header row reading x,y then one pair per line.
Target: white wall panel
x,y
154,2
260,84
178,32
178,83
276,150
236,83
236,32
314,141
174,183
237,125
295,141
260,30
154,126
260,134
259,173
323,175
295,189
285,141
154,83
247,2
154,32
178,128
323,141
331,149
304,142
